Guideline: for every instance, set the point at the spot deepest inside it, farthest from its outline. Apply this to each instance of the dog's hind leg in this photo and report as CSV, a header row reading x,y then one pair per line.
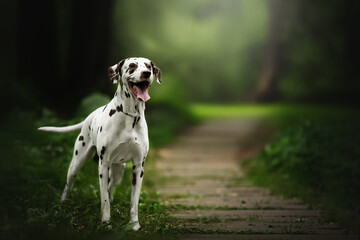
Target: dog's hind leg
x,y
82,151
116,172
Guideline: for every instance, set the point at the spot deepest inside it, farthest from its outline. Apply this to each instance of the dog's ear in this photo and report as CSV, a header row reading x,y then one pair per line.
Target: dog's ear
x,y
115,71
156,72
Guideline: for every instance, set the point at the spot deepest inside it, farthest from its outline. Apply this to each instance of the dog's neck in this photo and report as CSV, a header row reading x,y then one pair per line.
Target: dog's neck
x,y
126,101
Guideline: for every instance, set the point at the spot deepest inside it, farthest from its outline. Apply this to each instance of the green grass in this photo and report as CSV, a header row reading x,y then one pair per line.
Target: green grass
x,y
278,111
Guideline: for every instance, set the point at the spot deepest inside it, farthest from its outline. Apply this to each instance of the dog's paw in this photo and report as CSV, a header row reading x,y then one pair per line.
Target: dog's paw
x,y
136,226
132,226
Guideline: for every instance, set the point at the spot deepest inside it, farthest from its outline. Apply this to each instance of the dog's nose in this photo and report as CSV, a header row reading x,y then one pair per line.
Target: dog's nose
x,y
145,74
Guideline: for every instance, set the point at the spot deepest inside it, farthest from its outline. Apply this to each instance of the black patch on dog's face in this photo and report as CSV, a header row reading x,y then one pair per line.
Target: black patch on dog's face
x,y
112,111
76,152
148,66
81,138
132,67
83,144
100,175
142,174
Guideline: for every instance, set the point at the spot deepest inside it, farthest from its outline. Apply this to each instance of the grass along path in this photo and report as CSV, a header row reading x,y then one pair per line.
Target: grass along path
x,y
201,180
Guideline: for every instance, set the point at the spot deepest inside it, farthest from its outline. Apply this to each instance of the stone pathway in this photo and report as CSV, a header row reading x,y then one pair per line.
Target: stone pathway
x,y
201,175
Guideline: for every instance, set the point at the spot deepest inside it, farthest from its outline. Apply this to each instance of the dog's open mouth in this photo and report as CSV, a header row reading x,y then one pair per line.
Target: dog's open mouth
x,y
140,89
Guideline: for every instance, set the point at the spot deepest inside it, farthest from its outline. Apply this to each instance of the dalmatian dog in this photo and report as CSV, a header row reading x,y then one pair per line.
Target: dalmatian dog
x,y
117,132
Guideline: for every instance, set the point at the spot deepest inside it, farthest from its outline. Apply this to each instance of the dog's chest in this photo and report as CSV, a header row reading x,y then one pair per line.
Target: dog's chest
x,y
124,136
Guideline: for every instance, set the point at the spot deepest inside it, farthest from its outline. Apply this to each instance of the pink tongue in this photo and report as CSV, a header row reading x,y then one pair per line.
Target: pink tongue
x,y
142,94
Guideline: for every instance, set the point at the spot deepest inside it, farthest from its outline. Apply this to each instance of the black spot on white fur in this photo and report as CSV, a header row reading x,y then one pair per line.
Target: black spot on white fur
x,y
136,120
81,138
100,175
112,111
134,179
119,108
96,157
103,150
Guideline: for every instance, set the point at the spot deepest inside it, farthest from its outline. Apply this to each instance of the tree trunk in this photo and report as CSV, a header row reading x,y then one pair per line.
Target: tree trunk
x,y
59,75
267,89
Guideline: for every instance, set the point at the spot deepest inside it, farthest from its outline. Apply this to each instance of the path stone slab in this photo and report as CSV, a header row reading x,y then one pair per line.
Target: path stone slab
x,y
266,237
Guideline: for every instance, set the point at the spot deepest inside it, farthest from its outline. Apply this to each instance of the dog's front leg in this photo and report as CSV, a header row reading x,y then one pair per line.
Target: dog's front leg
x,y
137,177
105,202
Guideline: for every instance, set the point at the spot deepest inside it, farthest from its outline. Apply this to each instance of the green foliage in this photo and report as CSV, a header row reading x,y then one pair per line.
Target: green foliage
x,y
317,61
91,103
165,120
208,44
317,160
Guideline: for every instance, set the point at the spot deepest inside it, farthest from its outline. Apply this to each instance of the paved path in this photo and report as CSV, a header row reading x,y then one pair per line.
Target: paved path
x,y
200,173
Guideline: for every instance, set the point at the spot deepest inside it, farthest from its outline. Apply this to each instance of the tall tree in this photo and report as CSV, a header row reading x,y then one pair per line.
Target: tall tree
x,y
60,83
267,89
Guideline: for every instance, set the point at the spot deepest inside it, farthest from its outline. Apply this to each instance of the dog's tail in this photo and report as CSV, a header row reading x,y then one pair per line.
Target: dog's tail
x,y
66,129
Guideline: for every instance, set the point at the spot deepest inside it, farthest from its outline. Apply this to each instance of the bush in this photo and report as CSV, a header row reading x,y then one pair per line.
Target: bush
x,y
317,160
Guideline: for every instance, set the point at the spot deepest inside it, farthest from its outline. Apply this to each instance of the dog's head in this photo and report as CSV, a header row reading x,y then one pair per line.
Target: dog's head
x,y
137,74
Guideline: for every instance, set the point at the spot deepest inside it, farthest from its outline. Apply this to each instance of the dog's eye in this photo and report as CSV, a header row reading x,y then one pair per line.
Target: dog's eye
x,y
148,66
132,65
